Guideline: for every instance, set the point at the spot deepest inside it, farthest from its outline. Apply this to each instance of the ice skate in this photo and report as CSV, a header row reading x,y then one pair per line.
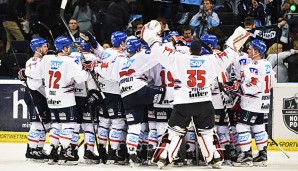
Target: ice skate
x,y
53,156
134,161
33,155
102,154
189,157
43,154
244,159
67,157
161,163
261,159
90,157
122,155
111,156
216,163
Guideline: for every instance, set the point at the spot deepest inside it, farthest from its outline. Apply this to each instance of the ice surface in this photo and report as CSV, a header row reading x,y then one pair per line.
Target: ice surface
x,y
12,158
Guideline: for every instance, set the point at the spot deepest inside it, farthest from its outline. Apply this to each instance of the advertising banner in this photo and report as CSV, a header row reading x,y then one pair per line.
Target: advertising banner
x,y
13,110
285,115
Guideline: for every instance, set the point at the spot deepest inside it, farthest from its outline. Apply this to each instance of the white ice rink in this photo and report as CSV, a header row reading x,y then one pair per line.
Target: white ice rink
x,y
12,158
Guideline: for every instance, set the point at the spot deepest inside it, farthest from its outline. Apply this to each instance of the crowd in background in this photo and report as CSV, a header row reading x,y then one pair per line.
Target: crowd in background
x,y
270,20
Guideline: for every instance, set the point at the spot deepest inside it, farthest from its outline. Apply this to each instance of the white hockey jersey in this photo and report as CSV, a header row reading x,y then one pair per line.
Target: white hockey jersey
x,y
239,64
195,73
256,84
217,100
35,84
110,86
60,74
168,81
128,72
81,89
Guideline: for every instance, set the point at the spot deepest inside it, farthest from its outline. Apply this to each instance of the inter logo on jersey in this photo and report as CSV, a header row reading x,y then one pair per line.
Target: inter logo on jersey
x,y
254,70
268,68
55,64
127,64
195,63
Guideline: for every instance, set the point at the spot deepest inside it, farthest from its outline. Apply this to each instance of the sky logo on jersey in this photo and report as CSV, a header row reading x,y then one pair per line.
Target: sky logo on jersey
x,y
254,70
268,68
55,64
127,64
195,63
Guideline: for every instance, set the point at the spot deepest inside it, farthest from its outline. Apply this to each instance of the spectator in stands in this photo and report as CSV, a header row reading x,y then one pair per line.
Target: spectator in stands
x,y
292,64
136,28
84,13
14,14
276,57
187,32
74,28
115,19
258,12
164,26
204,19
106,44
243,8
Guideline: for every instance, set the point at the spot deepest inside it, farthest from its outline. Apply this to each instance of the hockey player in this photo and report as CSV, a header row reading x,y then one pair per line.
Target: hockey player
x,y
85,112
133,86
35,97
192,96
59,74
112,120
222,103
254,88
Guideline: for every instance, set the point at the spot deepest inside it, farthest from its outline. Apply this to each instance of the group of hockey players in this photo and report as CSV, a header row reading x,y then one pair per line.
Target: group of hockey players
x,y
138,101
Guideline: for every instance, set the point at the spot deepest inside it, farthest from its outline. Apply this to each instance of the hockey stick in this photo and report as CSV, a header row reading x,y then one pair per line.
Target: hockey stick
x,y
281,149
92,119
29,91
49,30
62,8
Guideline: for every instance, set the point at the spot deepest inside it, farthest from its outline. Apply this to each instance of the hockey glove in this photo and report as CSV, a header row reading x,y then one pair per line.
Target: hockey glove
x,y
178,40
21,74
232,86
94,97
89,65
238,38
88,37
150,32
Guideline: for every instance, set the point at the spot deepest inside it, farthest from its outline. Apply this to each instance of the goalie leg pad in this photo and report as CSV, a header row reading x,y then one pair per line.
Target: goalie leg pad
x,y
206,142
170,143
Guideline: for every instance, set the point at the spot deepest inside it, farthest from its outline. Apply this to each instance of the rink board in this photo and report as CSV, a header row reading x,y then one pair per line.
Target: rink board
x,y
21,137
14,122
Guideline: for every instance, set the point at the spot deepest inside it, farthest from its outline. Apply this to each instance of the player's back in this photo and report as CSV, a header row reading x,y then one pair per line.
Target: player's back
x,y
59,73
